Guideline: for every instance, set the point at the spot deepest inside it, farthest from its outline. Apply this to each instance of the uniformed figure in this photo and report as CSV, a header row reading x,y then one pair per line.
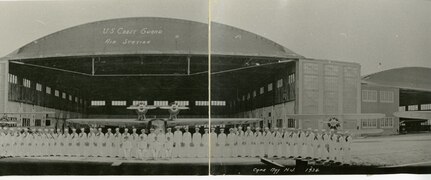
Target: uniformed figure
x,y
346,147
80,144
241,142
283,146
213,141
294,143
268,142
169,143
117,140
23,143
236,142
151,141
161,140
325,149
58,140
302,139
187,140
230,141
134,138
259,143
221,143
248,139
3,141
125,133
91,144
339,147
74,141
64,142
205,145
332,142
310,144
127,147
197,144
110,145
278,141
143,145
178,140
316,144
287,141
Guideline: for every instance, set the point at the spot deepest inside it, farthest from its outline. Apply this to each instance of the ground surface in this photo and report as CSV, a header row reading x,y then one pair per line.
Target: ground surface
x,y
397,150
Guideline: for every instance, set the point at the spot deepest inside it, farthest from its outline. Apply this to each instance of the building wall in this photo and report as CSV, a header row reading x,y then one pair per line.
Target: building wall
x,y
328,87
55,120
380,104
273,116
3,85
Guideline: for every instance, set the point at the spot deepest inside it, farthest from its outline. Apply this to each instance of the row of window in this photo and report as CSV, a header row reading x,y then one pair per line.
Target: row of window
x,y
424,107
386,122
13,79
371,96
37,122
158,103
291,80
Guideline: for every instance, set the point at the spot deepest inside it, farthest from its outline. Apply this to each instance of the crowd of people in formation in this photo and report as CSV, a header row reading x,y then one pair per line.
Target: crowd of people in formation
x,y
180,143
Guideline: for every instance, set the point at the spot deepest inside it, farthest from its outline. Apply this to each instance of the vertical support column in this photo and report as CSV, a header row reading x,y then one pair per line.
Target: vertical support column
x,y
188,65
4,85
298,88
92,66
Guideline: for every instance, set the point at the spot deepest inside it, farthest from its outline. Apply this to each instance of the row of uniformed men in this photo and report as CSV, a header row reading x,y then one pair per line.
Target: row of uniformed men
x,y
290,143
237,143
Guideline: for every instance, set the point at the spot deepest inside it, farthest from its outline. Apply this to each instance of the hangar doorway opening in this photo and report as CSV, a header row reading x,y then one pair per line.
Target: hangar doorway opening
x,y
103,87
412,104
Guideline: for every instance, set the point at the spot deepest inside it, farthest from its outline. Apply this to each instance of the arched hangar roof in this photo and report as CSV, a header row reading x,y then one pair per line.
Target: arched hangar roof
x,y
410,78
150,36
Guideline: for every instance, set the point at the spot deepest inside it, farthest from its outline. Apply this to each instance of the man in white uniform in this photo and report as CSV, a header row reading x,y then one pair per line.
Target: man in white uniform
x,y
221,142
134,138
268,143
248,139
236,142
213,142
169,143
143,145
117,143
259,141
295,141
161,140
187,140
205,145
332,142
109,139
127,147
230,141
152,143
197,142
74,139
66,139
91,143
309,143
346,147
241,142
80,145
316,144
178,140
277,142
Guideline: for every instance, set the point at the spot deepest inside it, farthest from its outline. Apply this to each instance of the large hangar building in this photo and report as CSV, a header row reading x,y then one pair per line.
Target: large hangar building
x,y
98,69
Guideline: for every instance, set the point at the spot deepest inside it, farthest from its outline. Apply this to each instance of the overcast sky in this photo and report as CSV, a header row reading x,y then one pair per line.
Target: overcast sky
x,y
395,33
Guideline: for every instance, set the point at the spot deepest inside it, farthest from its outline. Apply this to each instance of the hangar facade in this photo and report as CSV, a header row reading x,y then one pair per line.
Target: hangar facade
x,y
98,69
403,95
